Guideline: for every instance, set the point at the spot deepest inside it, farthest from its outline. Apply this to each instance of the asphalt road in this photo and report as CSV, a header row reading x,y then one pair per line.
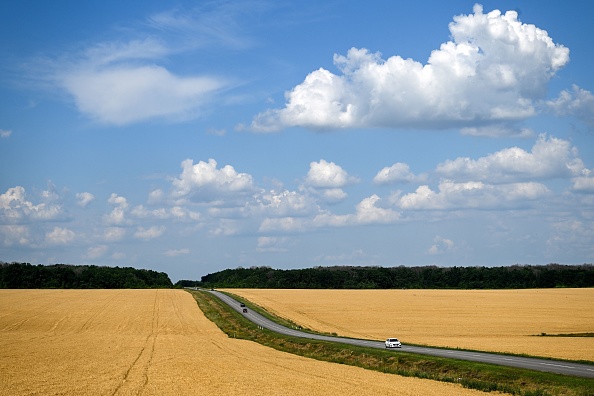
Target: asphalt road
x,y
553,366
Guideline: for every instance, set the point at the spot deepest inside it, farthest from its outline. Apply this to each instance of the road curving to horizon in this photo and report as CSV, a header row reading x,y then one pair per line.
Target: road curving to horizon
x,y
545,365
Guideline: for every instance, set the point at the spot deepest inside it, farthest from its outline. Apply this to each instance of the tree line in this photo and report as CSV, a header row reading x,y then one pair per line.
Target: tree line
x,y
430,277
63,276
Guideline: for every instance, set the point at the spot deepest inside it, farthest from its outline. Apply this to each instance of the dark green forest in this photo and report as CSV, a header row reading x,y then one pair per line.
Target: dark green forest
x,y
510,277
62,276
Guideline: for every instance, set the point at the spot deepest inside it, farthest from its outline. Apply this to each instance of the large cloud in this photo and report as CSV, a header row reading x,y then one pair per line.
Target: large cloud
x,y
486,79
123,94
471,195
121,82
549,158
397,173
327,179
15,208
204,182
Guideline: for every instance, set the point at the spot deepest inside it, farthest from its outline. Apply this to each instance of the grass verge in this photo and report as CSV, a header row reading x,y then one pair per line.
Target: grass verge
x,y
480,376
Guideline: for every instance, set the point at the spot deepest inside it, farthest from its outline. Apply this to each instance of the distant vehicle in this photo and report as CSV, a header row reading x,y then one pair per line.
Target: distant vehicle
x,y
245,310
242,305
393,343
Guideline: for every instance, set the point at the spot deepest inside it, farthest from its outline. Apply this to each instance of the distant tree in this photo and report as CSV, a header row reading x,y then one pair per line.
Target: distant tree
x,y
510,277
27,276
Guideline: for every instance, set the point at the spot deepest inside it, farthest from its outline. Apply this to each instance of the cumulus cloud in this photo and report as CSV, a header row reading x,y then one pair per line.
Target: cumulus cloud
x,y
284,224
585,182
15,208
204,182
325,174
397,173
471,195
174,212
368,211
84,199
272,244
441,245
112,234
578,103
156,196
15,235
326,179
117,216
60,236
149,233
285,203
492,73
94,252
549,158
572,234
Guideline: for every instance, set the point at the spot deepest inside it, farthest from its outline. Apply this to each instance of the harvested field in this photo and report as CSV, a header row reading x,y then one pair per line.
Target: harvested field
x,y
487,320
158,342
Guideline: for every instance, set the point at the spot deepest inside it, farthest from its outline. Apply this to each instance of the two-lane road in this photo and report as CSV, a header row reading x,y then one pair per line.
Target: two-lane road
x,y
554,366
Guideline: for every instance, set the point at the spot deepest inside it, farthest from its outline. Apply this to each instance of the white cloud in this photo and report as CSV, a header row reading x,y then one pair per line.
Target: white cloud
x,y
176,252
5,133
549,158
325,174
155,196
326,179
286,203
84,199
397,173
283,224
112,234
585,182
15,208
60,236
272,244
572,235
333,194
149,233
124,94
579,103
441,245
121,82
225,227
118,214
368,211
95,252
203,182
15,235
471,195
174,212
492,73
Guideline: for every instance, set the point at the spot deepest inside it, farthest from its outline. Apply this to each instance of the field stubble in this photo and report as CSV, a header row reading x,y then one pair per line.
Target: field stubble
x,y
158,342
489,320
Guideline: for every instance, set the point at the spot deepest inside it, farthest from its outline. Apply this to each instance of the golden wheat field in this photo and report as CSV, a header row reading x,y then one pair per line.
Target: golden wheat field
x,y
488,320
158,342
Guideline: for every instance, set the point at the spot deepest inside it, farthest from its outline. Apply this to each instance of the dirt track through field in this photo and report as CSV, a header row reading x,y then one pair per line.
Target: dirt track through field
x,y
158,342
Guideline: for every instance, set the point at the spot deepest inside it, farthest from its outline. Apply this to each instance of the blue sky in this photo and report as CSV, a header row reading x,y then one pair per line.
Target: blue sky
x,y
191,137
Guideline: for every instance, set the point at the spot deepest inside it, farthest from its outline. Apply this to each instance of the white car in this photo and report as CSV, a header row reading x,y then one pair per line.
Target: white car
x,y
393,343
